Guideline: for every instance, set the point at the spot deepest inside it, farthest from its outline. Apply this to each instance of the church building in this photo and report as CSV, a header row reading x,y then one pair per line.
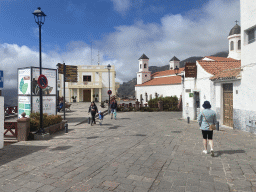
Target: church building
x,y
228,83
214,82
159,84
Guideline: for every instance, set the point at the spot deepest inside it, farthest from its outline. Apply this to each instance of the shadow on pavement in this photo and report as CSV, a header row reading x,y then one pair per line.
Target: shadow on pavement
x,y
219,153
124,118
115,127
12,152
61,148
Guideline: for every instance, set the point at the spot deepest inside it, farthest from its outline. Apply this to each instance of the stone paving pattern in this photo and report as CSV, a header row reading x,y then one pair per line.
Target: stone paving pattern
x,y
140,151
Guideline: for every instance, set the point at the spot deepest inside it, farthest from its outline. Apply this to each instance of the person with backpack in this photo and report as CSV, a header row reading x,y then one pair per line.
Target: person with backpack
x,y
206,119
93,109
113,108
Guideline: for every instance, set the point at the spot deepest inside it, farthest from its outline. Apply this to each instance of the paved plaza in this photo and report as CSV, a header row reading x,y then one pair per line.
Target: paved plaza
x,y
140,151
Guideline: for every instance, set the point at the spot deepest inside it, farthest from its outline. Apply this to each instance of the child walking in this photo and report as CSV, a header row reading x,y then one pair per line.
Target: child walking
x,y
101,116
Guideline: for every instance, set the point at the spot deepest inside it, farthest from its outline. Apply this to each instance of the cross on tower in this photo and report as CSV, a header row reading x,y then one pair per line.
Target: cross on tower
x,y
236,21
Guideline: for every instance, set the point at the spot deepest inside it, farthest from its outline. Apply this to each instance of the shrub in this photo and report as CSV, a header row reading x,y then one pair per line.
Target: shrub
x,y
169,103
48,120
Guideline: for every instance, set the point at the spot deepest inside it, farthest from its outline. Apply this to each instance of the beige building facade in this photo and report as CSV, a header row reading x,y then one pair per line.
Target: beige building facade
x,y
92,84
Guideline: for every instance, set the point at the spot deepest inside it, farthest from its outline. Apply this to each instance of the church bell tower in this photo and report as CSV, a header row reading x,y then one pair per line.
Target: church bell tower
x,y
143,75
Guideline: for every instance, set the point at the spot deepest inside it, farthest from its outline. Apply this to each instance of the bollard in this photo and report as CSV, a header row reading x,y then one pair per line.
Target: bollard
x,y
188,118
89,119
217,125
66,128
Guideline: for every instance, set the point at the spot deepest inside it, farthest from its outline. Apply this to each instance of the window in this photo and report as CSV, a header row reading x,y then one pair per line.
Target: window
x,y
145,65
146,75
87,78
251,35
231,45
140,66
239,44
150,97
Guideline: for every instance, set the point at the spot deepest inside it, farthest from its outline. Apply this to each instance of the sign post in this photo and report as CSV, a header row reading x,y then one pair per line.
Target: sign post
x,y
42,82
190,70
109,92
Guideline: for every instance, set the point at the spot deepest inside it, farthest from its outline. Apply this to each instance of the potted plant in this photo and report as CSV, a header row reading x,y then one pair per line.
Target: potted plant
x,y
74,98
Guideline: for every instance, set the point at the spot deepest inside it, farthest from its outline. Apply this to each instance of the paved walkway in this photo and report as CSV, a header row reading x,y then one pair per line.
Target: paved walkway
x,y
140,151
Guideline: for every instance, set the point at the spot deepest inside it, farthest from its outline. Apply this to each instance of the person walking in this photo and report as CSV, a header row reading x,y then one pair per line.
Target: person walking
x,y
93,109
101,116
113,108
205,119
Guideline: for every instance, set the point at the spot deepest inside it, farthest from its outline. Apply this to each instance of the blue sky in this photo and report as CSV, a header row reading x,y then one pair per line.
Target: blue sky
x,y
80,20
121,31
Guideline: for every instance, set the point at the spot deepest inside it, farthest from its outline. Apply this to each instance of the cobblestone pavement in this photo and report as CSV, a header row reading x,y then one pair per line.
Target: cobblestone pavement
x,y
140,151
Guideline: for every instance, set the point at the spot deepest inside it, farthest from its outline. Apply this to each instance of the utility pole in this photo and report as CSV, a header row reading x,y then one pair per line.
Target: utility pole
x,y
64,80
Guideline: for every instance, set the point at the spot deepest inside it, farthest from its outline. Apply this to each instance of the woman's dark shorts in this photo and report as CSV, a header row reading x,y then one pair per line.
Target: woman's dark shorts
x,y
207,134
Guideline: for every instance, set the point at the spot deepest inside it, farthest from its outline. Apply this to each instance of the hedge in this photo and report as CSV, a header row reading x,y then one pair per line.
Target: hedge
x,y
48,120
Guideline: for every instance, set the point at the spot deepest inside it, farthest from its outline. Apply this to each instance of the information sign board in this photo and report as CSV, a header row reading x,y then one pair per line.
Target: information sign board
x,y
190,70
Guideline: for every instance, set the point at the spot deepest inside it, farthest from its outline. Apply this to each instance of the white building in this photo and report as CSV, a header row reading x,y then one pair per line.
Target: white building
x,y
92,84
163,83
228,83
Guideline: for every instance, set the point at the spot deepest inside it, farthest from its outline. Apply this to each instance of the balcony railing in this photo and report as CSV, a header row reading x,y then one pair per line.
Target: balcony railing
x,y
96,83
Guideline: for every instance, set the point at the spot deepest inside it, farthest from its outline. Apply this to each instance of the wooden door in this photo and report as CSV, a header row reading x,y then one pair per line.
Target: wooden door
x,y
228,104
87,95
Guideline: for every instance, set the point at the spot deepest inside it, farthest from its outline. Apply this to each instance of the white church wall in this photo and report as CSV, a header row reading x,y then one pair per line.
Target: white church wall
x,y
244,92
165,90
201,84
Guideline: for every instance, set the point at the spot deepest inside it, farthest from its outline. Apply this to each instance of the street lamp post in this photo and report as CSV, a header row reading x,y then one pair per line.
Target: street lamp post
x,y
109,67
176,70
40,19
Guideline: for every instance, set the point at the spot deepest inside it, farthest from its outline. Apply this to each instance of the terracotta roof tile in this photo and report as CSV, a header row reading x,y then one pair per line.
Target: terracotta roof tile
x,y
214,67
227,74
167,72
163,81
219,58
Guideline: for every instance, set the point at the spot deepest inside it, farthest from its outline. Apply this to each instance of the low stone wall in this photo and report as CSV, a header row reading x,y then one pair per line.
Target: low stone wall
x,y
55,128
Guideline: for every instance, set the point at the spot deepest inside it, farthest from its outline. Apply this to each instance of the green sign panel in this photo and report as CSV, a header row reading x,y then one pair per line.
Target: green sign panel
x,y
191,94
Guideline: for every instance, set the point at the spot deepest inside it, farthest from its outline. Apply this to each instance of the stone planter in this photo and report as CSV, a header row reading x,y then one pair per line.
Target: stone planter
x,y
55,128
48,131
23,128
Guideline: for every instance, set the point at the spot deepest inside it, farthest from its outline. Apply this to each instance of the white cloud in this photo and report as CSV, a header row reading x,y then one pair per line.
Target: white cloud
x,y
199,32
13,57
121,6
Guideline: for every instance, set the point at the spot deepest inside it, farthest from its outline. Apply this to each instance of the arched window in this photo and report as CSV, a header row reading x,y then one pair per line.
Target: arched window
x,y
140,66
141,98
239,44
231,45
146,96
145,65
150,97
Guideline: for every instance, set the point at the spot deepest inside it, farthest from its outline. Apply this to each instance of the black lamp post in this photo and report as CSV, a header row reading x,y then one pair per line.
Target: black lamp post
x,y
40,19
109,67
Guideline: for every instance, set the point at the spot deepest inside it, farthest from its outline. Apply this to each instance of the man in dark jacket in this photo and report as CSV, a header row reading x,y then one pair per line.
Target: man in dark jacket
x,y
93,109
113,108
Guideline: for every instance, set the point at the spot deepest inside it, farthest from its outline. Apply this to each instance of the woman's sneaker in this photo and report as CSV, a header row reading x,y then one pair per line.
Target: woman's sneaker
x,y
205,151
